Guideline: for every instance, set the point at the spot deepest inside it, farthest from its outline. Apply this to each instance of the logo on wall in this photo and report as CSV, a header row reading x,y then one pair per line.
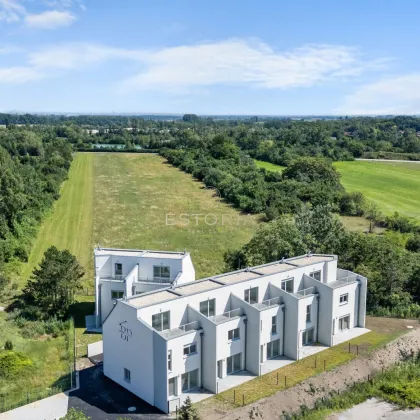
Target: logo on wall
x,y
125,332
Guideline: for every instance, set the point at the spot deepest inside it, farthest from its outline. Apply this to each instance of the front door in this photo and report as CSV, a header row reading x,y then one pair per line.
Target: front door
x,y
344,323
308,337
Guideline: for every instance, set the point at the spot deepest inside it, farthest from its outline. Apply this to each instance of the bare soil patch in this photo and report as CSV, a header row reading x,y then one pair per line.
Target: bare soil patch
x,y
308,391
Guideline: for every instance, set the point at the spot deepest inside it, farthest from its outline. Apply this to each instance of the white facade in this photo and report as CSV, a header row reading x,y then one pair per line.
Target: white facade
x,y
194,334
124,273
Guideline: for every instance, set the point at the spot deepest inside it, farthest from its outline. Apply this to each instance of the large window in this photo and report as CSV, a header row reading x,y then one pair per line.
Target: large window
x,y
207,307
118,269
234,363
344,323
172,387
251,295
274,325
189,380
308,336
161,272
287,285
308,313
344,299
116,294
161,321
233,334
190,349
316,275
127,375
273,349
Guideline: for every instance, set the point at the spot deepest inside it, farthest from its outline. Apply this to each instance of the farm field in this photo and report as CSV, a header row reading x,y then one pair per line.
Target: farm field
x,y
268,166
393,186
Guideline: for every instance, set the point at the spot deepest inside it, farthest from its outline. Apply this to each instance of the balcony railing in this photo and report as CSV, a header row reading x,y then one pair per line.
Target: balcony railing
x,y
162,280
305,292
267,303
343,281
181,330
227,315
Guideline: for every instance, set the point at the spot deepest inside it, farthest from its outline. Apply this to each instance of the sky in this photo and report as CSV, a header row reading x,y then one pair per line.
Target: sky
x,y
279,57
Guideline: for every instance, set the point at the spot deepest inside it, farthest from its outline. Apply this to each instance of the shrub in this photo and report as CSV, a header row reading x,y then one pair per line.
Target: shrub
x,y
13,363
8,345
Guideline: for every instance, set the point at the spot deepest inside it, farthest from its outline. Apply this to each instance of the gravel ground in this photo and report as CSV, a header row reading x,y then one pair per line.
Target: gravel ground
x,y
310,390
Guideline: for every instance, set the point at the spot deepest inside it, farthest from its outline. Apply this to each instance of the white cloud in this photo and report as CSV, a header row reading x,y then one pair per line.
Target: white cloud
x,y
233,61
19,75
192,68
390,95
51,19
11,11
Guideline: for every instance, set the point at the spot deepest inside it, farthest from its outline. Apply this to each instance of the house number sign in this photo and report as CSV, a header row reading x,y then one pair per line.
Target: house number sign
x,y
125,332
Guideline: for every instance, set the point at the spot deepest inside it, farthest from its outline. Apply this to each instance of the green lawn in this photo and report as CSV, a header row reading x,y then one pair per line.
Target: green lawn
x,y
269,166
392,186
71,222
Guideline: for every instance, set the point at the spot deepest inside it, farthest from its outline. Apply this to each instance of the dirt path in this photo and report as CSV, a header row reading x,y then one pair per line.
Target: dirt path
x,y
311,389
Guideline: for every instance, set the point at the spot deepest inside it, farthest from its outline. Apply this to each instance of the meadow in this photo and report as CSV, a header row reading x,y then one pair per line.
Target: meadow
x,y
393,186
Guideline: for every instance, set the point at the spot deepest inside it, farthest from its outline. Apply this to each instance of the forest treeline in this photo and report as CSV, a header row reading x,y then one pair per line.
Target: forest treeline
x,y
33,165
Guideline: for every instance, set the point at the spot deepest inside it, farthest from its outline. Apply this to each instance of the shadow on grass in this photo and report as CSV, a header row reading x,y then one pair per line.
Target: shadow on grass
x,y
79,311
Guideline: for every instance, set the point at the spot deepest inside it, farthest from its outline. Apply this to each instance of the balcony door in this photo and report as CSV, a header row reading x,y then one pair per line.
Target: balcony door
x,y
308,337
344,323
234,363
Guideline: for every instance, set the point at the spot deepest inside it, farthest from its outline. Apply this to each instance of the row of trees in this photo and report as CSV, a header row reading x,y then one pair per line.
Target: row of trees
x,y
393,272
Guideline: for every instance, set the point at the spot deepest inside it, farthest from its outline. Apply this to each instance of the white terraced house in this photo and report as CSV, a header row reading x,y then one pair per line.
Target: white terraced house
x,y
205,336
122,273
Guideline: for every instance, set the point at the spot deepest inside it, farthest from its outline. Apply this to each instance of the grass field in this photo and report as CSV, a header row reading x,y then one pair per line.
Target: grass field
x,y
392,186
70,224
269,166
139,200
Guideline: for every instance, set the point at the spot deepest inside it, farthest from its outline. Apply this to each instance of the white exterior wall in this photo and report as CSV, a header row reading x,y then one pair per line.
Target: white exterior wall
x,y
301,322
187,270
136,353
107,303
266,335
340,310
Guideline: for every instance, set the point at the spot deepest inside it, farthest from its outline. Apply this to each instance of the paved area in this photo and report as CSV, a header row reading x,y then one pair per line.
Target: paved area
x,y
102,399
49,408
374,409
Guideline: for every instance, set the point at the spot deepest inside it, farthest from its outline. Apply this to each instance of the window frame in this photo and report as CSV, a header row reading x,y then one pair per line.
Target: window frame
x,y
274,324
160,267
169,360
127,375
248,295
119,271
189,351
312,275
161,315
286,282
174,380
346,301
236,334
208,303
308,312
119,292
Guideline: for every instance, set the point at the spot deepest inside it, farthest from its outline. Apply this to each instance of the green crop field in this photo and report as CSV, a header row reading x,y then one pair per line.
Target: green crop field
x,y
393,186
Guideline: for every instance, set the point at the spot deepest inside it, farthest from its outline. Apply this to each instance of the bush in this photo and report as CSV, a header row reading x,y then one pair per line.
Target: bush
x,y
13,364
413,244
8,345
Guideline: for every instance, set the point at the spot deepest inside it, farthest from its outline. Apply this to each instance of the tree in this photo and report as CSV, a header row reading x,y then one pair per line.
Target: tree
x,y
188,411
413,243
373,214
53,285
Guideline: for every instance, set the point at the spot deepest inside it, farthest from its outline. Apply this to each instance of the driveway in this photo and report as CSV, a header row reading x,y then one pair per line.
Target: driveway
x,y
102,399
